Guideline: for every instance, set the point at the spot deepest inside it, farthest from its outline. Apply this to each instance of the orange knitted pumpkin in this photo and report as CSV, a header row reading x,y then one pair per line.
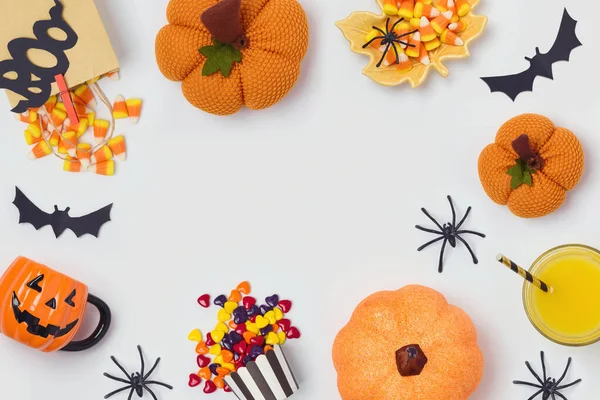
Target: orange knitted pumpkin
x,y
407,344
531,166
264,42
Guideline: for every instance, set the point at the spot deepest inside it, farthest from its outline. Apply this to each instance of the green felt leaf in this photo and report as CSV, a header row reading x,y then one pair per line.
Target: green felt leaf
x,y
521,174
219,57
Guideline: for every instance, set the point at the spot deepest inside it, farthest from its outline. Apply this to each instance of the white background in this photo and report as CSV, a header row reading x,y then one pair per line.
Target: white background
x,y
315,199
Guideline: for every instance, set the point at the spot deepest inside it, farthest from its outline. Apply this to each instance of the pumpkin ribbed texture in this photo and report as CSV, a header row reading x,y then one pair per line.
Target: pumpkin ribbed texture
x,y
562,169
364,350
277,32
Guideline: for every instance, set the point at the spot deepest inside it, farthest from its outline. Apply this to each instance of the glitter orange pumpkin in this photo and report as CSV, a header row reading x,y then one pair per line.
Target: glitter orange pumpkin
x,y
552,157
407,344
272,36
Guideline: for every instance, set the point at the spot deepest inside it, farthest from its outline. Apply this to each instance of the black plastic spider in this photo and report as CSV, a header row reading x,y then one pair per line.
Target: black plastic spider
x,y
136,382
390,38
449,233
548,386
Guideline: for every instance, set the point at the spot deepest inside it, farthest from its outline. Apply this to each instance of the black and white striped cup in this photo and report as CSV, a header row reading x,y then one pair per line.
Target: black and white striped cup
x,y
268,378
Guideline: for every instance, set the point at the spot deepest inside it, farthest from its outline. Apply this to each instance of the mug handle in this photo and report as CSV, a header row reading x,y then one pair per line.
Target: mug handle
x,y
99,332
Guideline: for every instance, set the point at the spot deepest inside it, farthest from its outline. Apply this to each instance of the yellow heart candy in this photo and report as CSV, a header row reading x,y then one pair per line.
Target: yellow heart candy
x,y
282,337
230,306
221,327
229,366
272,339
270,316
252,327
261,321
278,313
195,335
223,315
218,360
217,336
215,349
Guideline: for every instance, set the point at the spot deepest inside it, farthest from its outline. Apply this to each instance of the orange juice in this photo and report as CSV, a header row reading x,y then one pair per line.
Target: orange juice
x,y
570,314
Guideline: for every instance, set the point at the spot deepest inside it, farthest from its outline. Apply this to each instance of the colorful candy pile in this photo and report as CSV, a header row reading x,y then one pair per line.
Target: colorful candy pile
x,y
423,26
50,131
245,330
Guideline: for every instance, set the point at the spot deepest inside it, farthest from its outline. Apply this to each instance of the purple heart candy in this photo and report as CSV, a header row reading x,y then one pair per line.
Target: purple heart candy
x,y
266,330
235,337
220,300
213,368
265,309
254,310
240,318
255,351
272,300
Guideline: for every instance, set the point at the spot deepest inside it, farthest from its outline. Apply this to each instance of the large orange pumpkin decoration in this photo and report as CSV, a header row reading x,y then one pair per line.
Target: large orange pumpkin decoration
x,y
43,309
408,344
531,165
231,53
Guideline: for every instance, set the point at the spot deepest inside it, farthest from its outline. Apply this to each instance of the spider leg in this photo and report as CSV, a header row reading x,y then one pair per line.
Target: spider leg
x,y
559,395
151,369
472,232
117,391
535,385
428,230
533,372
114,378
407,33
378,29
120,367
396,52
397,22
149,391
159,383
372,40
564,373
131,393
475,260
387,26
430,242
433,219
453,211
568,385
536,394
464,218
544,365
441,263
141,358
384,53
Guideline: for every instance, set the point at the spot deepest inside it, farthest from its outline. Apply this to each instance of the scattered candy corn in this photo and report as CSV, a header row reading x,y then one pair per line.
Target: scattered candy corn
x,y
30,139
390,7
51,103
104,168
102,154
406,9
134,109
72,165
100,129
118,147
68,144
120,108
39,150
27,117
34,129
84,154
58,116
86,95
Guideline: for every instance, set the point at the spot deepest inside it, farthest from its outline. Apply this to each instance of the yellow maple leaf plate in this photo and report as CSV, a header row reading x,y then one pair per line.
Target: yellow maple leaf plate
x,y
357,26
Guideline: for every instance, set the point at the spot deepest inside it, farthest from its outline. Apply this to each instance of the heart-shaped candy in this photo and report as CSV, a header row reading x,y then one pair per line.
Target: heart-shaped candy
x,y
270,316
235,296
215,350
284,324
261,322
209,340
266,329
204,300
201,348
252,327
240,348
243,287
227,356
275,327
205,373
272,300
255,351
293,333
195,335
229,366
235,337
272,339
217,335
265,309
223,315
282,337
253,311
220,300
230,306
202,361
268,348
209,387
241,328
248,335
278,313
248,302
213,368
232,324
219,360
194,380
257,341
240,318
219,382
285,305
226,388
221,327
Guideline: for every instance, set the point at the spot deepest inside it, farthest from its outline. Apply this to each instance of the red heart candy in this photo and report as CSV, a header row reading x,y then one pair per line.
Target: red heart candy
x,y
240,348
293,333
209,340
226,388
285,305
253,318
284,324
209,387
248,302
257,340
241,328
194,380
204,300
202,361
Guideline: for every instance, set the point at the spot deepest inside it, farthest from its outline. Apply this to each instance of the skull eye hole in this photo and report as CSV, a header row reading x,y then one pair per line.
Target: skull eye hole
x,y
35,284
69,300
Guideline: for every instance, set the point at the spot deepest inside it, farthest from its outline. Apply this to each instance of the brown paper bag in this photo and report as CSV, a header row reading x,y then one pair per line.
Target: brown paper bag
x,y
79,46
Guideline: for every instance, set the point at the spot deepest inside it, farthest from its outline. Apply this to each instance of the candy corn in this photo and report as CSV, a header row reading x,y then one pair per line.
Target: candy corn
x,y
30,139
105,168
118,147
80,128
27,117
406,9
114,75
426,30
91,117
450,37
134,109
100,130
120,108
457,26
41,149
84,154
60,106
50,103
425,10
34,129
405,64
432,44
390,7
102,154
414,45
424,56
425,1
68,144
45,120
58,116
86,95
441,22
54,139
72,165
462,7
415,23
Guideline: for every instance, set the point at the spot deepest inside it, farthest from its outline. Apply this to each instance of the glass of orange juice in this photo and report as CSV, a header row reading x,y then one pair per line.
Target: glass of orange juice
x,y
570,313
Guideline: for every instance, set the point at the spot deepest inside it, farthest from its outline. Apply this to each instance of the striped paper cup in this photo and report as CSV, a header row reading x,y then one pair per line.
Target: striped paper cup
x,y
267,378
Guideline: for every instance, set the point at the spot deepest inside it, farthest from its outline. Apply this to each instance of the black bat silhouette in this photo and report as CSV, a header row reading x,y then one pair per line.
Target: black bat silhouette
x,y
541,64
60,220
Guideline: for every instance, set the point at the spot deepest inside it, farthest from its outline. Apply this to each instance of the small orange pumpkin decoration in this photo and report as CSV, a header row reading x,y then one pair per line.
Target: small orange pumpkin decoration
x,y
407,344
531,166
264,42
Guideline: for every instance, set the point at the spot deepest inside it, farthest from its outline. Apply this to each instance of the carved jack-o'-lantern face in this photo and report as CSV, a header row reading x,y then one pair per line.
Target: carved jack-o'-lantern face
x,y
40,307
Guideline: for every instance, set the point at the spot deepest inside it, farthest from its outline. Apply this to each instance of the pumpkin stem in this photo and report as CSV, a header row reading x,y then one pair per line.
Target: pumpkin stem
x,y
410,360
522,147
224,22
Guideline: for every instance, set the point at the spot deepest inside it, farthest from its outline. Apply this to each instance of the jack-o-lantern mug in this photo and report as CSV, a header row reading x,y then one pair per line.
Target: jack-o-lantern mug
x,y
43,309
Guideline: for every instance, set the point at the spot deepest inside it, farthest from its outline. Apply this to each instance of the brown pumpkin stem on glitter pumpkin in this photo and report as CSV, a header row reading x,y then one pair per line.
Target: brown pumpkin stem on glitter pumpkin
x,y
410,360
223,21
522,147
